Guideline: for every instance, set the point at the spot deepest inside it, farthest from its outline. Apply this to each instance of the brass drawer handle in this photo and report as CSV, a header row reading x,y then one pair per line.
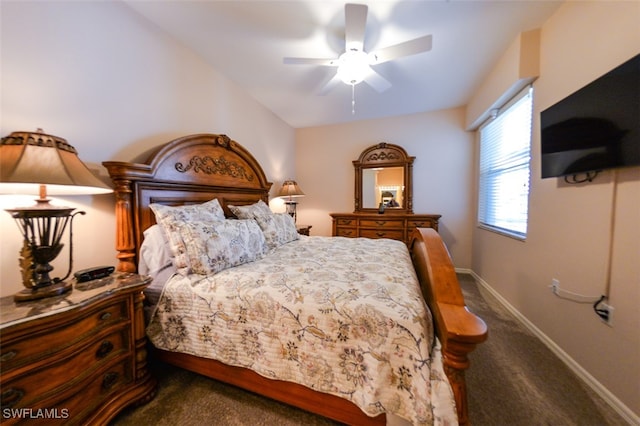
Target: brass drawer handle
x,y
109,380
11,397
380,234
104,349
380,222
418,224
345,222
8,356
105,316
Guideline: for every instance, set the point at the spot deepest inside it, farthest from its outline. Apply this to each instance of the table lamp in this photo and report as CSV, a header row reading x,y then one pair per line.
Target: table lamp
x,y
290,189
34,163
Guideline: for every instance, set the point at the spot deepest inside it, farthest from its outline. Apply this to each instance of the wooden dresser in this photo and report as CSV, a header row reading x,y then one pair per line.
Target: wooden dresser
x,y
397,226
78,358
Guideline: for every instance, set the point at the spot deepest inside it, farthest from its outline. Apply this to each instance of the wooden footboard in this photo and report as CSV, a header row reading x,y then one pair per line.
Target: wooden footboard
x,y
458,329
323,404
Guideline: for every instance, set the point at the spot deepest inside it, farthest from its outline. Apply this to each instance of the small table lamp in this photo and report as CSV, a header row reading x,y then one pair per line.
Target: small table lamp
x,y
37,163
291,189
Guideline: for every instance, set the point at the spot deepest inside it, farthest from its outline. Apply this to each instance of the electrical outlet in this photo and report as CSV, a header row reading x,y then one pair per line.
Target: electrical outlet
x,y
609,317
555,286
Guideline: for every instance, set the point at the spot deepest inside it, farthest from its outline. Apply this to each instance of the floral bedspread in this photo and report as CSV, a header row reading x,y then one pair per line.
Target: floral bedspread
x,y
340,315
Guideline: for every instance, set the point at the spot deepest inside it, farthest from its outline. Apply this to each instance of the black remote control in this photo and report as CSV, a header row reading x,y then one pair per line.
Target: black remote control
x,y
93,273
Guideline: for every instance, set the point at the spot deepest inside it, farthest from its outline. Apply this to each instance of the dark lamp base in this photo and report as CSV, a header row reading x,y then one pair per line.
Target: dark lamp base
x,y
43,292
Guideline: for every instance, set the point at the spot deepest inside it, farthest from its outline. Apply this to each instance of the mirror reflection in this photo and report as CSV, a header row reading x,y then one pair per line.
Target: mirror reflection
x,y
383,185
383,180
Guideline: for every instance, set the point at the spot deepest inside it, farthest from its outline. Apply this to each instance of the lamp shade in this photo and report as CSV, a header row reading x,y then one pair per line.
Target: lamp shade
x,y
31,159
290,189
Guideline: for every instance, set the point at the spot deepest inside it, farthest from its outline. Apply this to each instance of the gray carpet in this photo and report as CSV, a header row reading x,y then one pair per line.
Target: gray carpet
x,y
513,380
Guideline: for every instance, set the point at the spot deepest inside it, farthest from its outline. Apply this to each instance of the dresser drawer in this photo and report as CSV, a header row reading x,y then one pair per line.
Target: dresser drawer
x,y
72,408
40,344
345,222
66,371
98,390
346,232
395,234
424,223
382,223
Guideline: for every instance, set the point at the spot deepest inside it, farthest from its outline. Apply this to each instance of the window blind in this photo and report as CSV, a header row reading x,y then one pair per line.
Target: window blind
x,y
505,147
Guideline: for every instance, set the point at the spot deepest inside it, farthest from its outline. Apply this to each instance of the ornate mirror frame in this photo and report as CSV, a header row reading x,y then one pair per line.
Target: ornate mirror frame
x,y
384,155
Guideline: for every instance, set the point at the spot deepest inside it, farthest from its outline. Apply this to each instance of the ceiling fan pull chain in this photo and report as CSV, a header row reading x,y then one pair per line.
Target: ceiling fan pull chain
x,y
353,99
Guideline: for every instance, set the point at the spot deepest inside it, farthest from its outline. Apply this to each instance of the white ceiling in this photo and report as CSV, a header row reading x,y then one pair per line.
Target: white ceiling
x,y
247,40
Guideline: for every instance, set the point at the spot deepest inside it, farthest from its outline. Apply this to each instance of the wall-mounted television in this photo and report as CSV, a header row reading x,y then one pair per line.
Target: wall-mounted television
x,y
595,128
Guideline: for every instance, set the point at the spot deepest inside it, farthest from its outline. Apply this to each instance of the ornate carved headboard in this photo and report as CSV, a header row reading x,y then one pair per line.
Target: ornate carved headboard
x,y
188,170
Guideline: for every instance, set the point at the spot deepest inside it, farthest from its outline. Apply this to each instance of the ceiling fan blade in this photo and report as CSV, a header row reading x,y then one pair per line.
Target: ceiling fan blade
x,y
378,82
310,61
407,48
355,22
329,85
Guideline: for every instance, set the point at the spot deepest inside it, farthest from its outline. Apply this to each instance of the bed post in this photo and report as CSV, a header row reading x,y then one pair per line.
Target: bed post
x,y
123,176
458,329
125,241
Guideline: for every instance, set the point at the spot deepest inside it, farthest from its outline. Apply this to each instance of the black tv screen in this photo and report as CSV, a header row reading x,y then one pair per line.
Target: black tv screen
x,y
595,128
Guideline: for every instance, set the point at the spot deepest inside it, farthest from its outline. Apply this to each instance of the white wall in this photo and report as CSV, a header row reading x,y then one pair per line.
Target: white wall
x,y
569,231
442,171
115,87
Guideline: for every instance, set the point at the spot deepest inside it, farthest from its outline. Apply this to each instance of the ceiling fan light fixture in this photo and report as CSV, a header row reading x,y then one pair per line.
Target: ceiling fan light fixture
x,y
353,67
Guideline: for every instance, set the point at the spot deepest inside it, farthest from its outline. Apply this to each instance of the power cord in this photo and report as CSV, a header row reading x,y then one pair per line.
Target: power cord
x,y
601,309
601,312
589,177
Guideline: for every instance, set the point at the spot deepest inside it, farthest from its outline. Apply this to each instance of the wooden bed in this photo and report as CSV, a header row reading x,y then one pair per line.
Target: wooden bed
x,y
198,168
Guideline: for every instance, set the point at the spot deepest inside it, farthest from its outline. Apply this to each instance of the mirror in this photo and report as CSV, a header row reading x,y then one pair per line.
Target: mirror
x,y
383,176
383,185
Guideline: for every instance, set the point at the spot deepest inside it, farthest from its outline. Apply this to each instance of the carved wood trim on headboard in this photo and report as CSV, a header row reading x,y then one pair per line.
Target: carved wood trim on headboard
x,y
190,169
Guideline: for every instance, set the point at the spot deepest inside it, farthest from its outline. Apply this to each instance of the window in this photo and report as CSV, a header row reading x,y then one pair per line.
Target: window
x,y
505,146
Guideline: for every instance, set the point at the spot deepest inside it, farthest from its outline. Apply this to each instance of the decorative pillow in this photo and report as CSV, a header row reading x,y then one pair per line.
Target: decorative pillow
x,y
278,229
210,210
171,218
212,247
155,252
251,211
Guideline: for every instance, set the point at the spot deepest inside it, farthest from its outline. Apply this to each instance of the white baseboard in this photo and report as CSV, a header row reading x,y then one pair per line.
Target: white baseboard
x,y
624,411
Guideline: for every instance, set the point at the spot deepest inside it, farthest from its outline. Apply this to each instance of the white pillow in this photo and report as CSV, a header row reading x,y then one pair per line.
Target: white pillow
x,y
250,211
171,218
212,247
155,252
278,229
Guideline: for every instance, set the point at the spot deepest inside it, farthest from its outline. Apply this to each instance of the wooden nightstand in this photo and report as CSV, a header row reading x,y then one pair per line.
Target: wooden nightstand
x,y
79,357
303,229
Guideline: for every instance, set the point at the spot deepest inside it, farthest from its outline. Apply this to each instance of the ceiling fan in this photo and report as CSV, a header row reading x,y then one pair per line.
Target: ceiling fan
x,y
354,65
